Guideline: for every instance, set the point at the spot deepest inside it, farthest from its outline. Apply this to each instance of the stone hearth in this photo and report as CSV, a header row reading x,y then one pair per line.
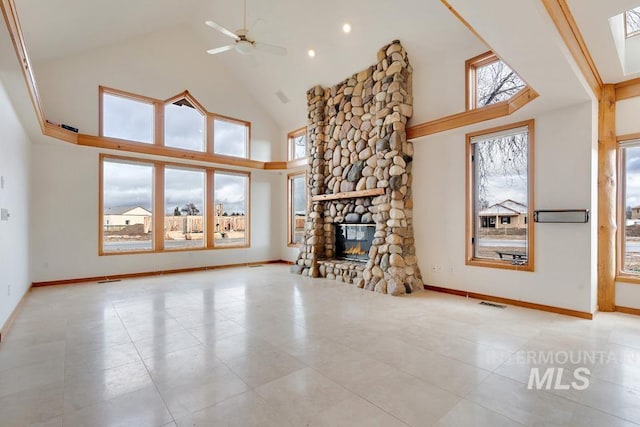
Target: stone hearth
x,y
360,171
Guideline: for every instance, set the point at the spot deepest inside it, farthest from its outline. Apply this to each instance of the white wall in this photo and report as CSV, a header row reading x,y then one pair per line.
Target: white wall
x,y
160,66
565,269
65,178
14,234
627,114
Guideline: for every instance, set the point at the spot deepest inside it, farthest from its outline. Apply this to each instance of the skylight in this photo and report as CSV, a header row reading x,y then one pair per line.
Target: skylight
x,y
632,22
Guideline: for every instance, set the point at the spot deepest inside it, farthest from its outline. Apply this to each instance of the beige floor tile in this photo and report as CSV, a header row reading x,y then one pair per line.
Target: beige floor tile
x,y
192,346
513,400
303,395
245,410
469,414
140,408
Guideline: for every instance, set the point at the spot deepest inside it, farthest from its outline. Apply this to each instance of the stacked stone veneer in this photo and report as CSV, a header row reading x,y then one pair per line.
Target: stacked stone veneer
x,y
357,141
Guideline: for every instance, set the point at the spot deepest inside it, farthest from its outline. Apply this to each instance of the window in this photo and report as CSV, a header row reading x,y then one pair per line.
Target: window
x,y
179,123
230,137
499,197
297,208
154,206
184,207
231,201
297,144
184,126
630,206
489,80
632,22
127,118
127,205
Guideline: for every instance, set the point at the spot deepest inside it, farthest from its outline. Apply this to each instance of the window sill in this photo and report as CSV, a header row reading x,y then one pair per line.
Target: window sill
x,y
505,265
164,251
628,278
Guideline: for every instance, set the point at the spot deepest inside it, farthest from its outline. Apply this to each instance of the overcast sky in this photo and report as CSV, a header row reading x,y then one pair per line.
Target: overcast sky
x,y
632,155
130,184
506,174
298,189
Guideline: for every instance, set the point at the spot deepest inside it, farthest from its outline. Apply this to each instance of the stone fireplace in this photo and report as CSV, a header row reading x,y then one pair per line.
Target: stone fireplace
x,y
359,179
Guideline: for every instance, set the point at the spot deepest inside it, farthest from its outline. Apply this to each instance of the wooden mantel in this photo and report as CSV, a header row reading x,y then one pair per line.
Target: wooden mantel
x,y
349,195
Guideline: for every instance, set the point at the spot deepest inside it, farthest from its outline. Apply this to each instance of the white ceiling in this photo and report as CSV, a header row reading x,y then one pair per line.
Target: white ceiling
x,y
56,29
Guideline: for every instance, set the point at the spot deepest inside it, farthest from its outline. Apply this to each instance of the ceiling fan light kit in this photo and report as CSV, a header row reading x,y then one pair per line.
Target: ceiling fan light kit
x,y
243,44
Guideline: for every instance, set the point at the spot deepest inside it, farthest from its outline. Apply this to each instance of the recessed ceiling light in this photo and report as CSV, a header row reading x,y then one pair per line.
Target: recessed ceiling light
x,y
346,28
311,53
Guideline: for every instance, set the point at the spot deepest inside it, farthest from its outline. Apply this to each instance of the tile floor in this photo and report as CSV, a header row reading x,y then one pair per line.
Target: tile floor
x,y
262,347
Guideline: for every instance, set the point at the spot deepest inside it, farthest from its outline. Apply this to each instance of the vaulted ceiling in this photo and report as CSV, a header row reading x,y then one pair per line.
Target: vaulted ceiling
x,y
55,29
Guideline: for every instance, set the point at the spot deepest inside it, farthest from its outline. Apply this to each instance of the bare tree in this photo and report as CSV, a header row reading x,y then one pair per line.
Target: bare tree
x,y
506,157
190,209
496,82
633,20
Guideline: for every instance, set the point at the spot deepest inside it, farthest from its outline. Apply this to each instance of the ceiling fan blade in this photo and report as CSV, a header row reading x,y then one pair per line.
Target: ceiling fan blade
x,y
222,29
221,49
269,48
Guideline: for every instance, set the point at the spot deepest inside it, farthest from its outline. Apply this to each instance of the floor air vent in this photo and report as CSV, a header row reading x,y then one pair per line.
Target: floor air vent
x,y
490,304
257,265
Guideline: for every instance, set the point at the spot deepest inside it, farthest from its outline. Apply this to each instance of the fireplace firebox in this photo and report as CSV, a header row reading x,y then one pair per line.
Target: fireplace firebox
x,y
353,241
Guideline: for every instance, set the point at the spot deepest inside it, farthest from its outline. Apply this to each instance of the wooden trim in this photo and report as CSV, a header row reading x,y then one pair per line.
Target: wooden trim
x,y
175,153
477,115
158,207
216,116
464,22
349,195
275,165
627,310
101,158
561,16
298,163
15,32
607,198
470,67
60,133
247,225
517,303
470,222
290,136
290,178
627,277
210,210
628,89
628,137
4,329
152,273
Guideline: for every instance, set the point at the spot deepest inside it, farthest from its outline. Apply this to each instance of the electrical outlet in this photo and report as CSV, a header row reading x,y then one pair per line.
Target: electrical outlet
x,y
450,269
436,268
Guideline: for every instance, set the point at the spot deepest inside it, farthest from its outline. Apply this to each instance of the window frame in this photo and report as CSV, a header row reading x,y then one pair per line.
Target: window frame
x,y
471,91
199,108
158,126
157,147
290,147
247,222
621,274
290,177
158,187
470,258
212,117
626,33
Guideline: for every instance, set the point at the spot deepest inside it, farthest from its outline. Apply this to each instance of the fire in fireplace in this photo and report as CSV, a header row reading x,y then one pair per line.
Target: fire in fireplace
x,y
353,241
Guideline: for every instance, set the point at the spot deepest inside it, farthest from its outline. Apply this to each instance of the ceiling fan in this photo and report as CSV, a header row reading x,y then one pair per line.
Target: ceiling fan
x,y
243,44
